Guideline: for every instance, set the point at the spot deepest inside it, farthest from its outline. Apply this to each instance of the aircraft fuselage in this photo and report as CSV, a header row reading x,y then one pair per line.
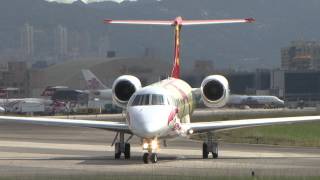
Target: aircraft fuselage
x,y
157,110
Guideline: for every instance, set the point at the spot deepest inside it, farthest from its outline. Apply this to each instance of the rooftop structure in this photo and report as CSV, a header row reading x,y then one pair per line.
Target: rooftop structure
x,y
301,55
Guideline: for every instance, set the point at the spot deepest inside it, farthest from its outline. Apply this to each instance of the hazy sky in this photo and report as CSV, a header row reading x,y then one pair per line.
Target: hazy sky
x,y
87,1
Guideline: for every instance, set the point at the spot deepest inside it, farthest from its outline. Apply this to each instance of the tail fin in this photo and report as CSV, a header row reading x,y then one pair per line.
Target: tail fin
x,y
93,83
177,23
175,72
47,92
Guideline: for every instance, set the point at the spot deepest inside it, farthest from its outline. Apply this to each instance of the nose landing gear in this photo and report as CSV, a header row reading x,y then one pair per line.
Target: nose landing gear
x,y
147,157
151,146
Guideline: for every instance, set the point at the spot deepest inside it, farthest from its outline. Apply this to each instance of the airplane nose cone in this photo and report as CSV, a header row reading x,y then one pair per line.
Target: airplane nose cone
x,y
148,129
147,122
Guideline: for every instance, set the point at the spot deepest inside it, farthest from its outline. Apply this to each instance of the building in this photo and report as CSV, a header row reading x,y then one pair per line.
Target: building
x,y
15,75
255,82
296,85
61,41
80,43
203,67
27,41
200,69
301,55
241,82
104,46
262,81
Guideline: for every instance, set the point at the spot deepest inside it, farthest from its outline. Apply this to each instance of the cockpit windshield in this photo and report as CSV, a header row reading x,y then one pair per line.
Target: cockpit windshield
x,y
157,99
148,99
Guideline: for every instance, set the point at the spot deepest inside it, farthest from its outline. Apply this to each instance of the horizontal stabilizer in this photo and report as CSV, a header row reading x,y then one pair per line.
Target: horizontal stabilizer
x,y
179,21
222,21
139,22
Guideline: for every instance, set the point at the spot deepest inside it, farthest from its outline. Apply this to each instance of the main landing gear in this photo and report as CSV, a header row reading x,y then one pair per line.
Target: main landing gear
x,y
209,146
121,146
150,148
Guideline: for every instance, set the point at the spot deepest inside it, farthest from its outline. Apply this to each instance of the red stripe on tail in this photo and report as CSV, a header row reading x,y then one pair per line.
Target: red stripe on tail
x,y
175,73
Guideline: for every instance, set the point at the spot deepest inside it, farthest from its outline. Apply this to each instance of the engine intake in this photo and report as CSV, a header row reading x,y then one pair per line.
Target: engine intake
x,y
215,91
123,88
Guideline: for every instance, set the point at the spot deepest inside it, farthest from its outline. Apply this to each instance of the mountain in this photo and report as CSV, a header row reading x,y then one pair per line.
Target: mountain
x,y
244,46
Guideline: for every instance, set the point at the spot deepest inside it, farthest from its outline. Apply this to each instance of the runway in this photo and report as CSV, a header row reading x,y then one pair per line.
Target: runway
x,y
42,150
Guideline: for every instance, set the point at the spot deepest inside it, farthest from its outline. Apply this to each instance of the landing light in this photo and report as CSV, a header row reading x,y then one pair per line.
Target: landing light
x,y
154,144
145,145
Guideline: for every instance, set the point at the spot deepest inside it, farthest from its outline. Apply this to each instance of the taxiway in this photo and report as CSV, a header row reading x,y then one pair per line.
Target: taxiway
x,y
43,150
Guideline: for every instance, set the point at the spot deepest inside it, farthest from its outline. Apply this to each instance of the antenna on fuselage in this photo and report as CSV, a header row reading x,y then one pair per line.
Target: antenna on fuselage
x,y
177,23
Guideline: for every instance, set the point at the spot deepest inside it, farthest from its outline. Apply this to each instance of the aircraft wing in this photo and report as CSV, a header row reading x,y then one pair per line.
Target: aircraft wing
x,y
221,21
106,125
235,124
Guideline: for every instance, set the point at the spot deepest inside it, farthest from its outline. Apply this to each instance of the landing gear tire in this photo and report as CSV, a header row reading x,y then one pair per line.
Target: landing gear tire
x,y
215,155
117,155
117,151
127,151
146,158
154,158
205,152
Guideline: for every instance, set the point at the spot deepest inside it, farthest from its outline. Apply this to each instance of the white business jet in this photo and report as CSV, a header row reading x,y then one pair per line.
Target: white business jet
x,y
162,110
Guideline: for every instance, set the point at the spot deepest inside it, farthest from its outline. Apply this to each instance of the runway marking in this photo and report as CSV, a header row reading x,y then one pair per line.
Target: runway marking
x,y
237,162
168,151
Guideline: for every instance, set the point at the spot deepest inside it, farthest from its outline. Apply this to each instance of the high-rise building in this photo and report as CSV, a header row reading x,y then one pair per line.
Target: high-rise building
x,y
104,46
301,55
80,44
27,40
61,41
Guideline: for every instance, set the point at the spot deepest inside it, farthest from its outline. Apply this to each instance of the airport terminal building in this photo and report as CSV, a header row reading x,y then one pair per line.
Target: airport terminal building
x,y
296,85
299,76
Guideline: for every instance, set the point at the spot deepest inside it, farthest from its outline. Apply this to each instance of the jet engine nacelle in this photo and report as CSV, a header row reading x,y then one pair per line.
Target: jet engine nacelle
x,y
215,91
123,88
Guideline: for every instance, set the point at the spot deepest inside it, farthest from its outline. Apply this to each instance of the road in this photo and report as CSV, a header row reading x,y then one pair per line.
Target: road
x,y
43,150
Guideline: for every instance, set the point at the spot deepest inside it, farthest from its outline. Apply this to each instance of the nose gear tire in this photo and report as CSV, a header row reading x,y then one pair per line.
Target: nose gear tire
x,y
154,158
146,158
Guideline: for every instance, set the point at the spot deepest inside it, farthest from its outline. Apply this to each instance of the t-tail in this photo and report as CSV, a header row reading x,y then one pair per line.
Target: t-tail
x,y
177,23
